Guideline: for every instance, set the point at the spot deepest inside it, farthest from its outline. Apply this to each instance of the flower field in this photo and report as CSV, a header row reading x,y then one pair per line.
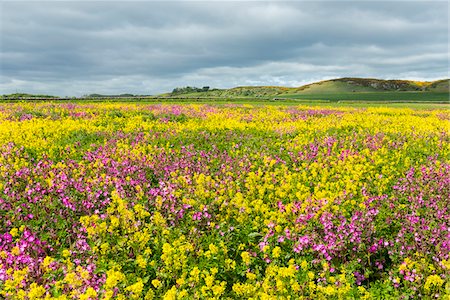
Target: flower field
x,y
197,201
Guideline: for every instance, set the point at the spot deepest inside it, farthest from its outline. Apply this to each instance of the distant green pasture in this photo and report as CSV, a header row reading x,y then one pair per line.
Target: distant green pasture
x,y
377,96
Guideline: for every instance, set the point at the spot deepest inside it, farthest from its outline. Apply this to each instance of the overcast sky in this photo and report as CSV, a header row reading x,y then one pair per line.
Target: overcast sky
x,y
75,48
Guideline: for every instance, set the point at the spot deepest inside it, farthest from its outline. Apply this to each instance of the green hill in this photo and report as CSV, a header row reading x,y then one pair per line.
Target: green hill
x,y
337,89
346,85
441,86
368,89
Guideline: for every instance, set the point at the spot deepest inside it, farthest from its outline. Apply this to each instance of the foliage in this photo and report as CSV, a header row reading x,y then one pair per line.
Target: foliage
x,y
189,89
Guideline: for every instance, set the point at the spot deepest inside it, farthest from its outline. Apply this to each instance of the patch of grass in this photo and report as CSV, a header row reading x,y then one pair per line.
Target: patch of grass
x,y
375,96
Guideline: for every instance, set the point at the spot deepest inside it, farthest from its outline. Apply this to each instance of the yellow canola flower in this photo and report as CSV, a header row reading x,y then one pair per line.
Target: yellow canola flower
x,y
89,294
65,253
446,264
304,265
246,258
113,278
47,261
156,283
433,281
14,232
213,249
171,294
72,279
141,261
136,289
36,291
15,251
250,276
209,280
276,252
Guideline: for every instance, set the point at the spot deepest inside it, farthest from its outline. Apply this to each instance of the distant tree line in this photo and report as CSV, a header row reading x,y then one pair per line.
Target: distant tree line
x,y
108,96
24,95
189,89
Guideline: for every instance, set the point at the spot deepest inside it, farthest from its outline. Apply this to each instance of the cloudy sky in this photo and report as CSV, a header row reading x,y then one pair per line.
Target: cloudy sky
x,y
146,47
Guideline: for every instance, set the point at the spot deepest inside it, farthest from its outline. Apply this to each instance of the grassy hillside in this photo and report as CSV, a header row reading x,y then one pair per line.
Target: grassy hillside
x,y
332,87
342,89
441,86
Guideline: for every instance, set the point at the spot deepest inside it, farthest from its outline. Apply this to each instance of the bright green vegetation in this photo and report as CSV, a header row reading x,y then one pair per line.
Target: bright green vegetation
x,y
373,96
345,88
24,95
345,85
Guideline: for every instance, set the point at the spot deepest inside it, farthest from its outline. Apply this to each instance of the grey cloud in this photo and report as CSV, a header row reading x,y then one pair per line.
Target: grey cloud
x,y
150,47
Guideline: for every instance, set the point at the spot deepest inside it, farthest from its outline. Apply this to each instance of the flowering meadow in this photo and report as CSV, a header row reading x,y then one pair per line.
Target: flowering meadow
x,y
232,201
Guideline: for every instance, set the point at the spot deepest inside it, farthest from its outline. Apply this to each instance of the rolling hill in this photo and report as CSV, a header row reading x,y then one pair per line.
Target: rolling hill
x,y
340,89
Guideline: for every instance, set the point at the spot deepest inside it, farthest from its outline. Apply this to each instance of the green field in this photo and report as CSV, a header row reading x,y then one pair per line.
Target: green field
x,y
375,96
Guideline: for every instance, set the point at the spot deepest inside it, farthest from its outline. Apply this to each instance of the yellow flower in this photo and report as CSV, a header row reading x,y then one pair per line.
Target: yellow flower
x,y
219,289
180,281
136,288
140,211
250,276
330,290
182,294
72,278
65,253
365,295
141,261
82,272
171,294
209,280
14,232
89,294
156,283
246,257
195,272
46,262
295,286
304,265
114,222
213,248
230,264
15,251
433,281
276,252
113,278
446,264
104,247
287,272
36,291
